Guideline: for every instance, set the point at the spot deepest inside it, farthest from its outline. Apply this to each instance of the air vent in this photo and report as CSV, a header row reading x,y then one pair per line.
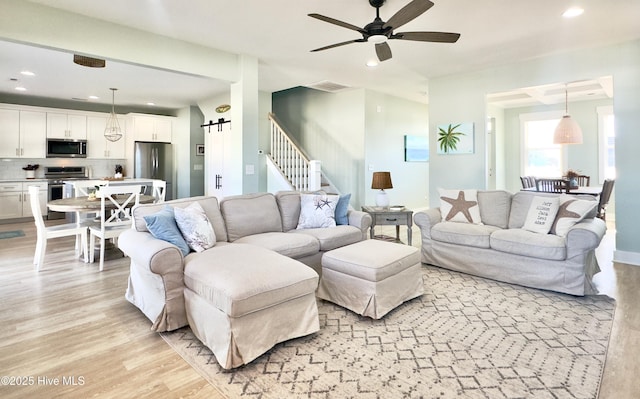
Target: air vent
x,y
327,86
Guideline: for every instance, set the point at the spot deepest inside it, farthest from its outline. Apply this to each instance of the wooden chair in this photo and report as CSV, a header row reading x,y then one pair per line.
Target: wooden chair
x,y
159,190
59,230
583,180
114,215
605,195
552,185
528,181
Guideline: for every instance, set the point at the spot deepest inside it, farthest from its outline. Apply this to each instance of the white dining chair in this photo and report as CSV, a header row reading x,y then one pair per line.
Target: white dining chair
x,y
159,190
114,215
44,233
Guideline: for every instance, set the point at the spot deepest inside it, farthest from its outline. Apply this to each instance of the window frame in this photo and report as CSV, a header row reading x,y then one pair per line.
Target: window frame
x,y
603,112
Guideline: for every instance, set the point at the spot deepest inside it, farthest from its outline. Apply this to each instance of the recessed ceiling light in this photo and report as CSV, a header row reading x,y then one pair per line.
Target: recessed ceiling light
x,y
28,73
94,98
573,12
372,63
20,88
150,103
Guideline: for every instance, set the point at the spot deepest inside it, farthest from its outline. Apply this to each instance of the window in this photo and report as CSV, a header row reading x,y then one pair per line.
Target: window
x,y
540,156
607,136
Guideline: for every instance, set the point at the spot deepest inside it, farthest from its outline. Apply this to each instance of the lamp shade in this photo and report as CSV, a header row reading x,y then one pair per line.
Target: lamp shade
x,y
381,180
567,132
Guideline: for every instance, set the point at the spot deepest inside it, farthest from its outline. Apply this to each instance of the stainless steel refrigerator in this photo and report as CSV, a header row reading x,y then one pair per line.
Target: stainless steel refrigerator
x,y
154,161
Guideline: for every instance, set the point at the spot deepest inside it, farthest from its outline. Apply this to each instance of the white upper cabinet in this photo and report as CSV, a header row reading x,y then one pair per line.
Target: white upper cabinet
x,y
97,145
66,126
151,128
22,133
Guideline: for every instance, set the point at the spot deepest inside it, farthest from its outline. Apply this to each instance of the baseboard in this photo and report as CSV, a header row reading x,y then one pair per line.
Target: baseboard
x,y
630,258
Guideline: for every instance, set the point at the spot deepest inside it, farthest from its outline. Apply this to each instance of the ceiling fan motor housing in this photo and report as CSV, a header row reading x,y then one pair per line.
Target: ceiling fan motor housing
x,y
376,3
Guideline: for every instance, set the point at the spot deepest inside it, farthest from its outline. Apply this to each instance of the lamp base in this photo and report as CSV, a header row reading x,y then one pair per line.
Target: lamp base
x,y
382,199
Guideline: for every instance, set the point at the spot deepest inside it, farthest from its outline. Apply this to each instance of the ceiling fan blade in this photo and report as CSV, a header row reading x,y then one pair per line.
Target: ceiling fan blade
x,y
338,44
339,23
438,37
383,51
408,13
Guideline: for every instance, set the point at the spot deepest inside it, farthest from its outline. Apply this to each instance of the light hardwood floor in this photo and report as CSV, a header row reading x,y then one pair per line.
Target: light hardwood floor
x,y
73,323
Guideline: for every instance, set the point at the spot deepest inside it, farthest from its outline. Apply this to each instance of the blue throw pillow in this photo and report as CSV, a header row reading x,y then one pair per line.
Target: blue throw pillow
x,y
162,226
342,208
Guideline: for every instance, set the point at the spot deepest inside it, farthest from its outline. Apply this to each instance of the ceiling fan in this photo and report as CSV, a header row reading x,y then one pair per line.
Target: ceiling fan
x,y
380,31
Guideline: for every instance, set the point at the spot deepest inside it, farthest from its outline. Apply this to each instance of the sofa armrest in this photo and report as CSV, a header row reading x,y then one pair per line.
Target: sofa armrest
x,y
361,220
425,220
585,236
151,256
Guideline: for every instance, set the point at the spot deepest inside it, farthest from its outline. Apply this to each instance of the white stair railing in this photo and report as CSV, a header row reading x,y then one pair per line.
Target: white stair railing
x,y
293,164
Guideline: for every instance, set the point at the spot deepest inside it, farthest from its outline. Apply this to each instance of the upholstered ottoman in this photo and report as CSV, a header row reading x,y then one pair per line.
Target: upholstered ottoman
x,y
371,277
241,300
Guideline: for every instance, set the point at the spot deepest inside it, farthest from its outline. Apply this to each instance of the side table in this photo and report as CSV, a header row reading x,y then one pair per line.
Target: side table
x,y
385,216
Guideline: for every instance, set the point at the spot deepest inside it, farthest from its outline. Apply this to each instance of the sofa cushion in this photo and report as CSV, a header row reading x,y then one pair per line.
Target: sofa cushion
x,y
541,215
285,244
473,235
162,226
195,227
527,243
240,279
289,205
572,211
249,214
209,204
459,206
333,237
495,206
317,210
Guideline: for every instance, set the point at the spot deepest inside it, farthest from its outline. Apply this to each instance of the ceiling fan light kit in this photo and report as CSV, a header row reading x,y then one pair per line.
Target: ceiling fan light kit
x,y
379,31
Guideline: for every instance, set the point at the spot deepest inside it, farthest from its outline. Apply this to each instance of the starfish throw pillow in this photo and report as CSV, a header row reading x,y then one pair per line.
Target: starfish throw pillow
x,y
459,206
571,212
317,210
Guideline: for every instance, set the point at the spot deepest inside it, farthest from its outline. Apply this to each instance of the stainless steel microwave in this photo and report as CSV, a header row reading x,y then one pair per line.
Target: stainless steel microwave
x,y
66,148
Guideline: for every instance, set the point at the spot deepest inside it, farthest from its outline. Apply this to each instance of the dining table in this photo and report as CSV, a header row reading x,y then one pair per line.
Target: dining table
x,y
86,204
580,190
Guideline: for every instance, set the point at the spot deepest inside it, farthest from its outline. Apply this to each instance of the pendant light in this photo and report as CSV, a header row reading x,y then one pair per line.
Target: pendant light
x,y
113,132
568,131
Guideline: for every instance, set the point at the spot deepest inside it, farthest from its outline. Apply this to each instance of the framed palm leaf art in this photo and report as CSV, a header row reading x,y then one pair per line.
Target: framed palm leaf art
x,y
456,138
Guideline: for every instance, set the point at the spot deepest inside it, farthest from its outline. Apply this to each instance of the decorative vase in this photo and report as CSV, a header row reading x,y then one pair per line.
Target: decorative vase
x,y
31,174
573,182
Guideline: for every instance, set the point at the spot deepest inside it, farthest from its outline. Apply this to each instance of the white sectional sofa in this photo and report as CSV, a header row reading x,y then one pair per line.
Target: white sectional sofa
x,y
500,249
254,288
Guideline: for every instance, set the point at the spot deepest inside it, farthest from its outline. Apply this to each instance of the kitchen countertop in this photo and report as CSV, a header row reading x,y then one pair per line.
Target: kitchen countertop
x,y
23,180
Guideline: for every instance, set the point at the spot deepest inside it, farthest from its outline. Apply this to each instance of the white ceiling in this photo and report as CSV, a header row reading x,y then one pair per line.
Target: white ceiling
x,y
280,34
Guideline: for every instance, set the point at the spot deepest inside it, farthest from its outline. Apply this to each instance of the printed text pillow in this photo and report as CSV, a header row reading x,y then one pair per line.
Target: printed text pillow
x,y
542,214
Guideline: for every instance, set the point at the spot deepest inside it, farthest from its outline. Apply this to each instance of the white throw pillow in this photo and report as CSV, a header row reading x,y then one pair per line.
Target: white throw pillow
x,y
542,214
459,206
195,227
317,210
570,212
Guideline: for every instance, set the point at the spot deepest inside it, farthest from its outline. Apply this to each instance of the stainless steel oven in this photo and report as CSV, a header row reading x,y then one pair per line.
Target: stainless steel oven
x,y
56,176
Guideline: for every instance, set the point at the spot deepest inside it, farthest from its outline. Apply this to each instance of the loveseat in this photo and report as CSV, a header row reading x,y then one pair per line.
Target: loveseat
x,y
499,247
259,222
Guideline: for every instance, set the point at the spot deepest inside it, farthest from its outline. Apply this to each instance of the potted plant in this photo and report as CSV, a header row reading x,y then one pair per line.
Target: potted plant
x,y
118,174
31,170
449,138
572,176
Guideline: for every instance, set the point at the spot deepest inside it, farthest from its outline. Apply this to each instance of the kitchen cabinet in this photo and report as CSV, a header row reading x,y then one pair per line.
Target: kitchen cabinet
x,y
15,199
97,145
151,128
66,126
22,133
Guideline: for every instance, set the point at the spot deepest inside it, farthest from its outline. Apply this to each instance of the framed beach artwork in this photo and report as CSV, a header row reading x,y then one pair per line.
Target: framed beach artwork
x,y
416,148
456,138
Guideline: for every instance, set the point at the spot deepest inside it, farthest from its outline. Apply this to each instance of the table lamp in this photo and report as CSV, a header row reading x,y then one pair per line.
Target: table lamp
x,y
381,181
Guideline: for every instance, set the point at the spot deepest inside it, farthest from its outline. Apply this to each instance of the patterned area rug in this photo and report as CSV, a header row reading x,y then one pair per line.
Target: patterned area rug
x,y
466,337
11,234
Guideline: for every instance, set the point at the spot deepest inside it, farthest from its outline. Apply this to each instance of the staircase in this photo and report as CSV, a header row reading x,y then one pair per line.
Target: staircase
x,y
293,163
